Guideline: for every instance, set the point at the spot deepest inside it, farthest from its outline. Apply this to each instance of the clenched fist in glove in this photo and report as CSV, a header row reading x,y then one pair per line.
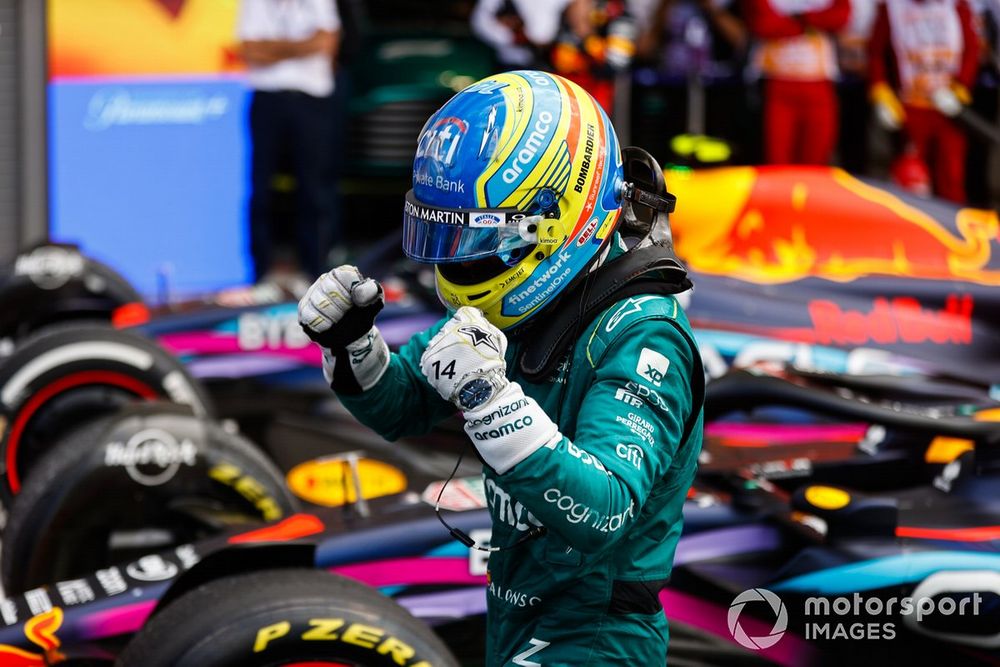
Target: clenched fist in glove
x,y
465,363
338,313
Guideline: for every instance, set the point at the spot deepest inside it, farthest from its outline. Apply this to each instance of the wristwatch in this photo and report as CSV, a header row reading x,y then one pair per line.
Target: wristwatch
x,y
474,393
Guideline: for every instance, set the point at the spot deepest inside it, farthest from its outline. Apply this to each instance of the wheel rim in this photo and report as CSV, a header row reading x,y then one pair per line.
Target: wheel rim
x,y
120,381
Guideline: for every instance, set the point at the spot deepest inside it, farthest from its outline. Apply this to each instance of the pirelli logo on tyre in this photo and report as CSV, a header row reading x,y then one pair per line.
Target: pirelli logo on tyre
x,y
381,643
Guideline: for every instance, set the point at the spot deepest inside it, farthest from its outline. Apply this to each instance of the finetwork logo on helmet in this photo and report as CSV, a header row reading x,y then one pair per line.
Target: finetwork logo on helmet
x,y
561,259
760,642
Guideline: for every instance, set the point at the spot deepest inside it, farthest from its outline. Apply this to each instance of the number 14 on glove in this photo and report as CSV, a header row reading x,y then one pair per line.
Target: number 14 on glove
x,y
465,363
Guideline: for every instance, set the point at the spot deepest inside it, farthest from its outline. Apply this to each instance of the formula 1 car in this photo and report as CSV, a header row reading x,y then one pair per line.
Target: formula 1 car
x,y
805,265
751,522
800,295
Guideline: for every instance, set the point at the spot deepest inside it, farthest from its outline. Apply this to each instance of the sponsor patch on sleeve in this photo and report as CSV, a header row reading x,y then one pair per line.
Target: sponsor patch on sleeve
x,y
652,366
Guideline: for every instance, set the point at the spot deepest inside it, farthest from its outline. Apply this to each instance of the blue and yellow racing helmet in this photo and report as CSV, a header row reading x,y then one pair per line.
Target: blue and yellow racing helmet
x,y
517,189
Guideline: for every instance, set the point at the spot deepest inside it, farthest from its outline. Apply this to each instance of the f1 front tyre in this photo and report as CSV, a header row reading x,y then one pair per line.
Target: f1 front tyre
x,y
285,617
150,477
67,374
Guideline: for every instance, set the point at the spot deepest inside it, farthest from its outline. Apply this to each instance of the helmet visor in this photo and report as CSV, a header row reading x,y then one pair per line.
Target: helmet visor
x,y
436,235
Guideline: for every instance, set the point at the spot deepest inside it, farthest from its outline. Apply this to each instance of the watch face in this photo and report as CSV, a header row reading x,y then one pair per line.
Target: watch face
x,y
475,393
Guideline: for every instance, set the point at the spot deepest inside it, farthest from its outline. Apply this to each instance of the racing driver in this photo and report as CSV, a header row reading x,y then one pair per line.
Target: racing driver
x,y
565,350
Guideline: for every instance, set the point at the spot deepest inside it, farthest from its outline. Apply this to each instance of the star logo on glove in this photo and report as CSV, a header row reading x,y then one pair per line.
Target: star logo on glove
x,y
479,337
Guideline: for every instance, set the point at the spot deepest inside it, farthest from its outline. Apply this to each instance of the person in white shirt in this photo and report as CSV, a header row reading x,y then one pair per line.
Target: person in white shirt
x,y
520,31
289,46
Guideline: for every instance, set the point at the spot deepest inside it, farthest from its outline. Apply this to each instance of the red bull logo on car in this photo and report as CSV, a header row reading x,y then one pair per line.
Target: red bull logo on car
x,y
891,321
773,225
40,630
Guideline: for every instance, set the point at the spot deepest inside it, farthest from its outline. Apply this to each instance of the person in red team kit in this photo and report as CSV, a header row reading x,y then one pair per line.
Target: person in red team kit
x,y
935,50
796,55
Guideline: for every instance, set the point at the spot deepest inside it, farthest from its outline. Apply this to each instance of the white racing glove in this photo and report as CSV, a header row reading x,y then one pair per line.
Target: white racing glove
x,y
888,109
620,48
465,363
946,101
887,117
338,313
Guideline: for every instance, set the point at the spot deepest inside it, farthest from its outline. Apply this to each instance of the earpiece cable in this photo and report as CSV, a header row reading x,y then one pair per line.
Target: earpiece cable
x,y
462,536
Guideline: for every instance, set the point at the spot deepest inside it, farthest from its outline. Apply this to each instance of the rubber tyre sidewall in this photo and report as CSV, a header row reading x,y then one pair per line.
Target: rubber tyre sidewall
x,y
78,465
221,623
30,300
60,353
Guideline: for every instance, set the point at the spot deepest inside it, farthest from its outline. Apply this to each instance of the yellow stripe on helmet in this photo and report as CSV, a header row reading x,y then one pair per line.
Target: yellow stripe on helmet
x,y
521,100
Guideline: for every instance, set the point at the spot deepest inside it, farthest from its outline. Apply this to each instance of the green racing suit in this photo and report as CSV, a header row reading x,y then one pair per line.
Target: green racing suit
x,y
609,494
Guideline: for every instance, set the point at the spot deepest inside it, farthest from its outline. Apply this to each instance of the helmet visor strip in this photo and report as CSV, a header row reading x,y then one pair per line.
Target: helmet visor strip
x,y
436,234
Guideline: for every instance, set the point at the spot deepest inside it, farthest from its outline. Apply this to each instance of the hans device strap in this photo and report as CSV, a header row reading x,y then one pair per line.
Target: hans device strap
x,y
648,270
